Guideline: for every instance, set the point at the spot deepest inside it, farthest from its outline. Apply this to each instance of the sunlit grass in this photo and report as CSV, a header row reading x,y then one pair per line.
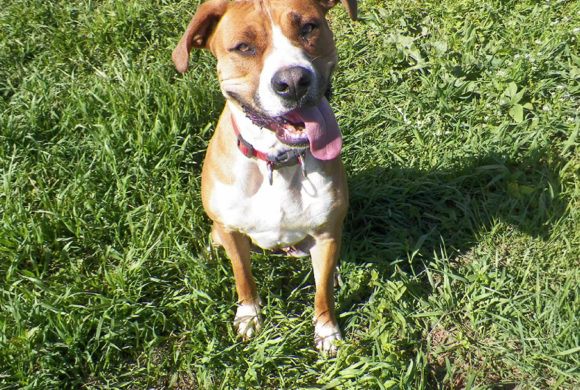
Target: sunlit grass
x,y
461,247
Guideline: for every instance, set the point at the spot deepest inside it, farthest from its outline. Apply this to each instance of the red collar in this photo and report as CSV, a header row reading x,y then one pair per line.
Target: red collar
x,y
284,159
245,147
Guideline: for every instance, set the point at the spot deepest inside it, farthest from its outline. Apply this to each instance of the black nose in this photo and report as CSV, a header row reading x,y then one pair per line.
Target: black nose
x,y
292,83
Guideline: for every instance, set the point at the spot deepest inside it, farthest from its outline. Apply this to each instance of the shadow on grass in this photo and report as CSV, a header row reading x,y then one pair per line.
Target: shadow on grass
x,y
397,214
403,218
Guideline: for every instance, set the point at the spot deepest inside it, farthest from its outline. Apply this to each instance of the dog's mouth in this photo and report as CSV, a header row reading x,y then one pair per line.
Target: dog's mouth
x,y
313,126
291,133
289,128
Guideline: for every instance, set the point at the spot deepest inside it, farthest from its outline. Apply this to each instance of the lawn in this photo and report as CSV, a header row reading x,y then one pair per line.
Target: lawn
x,y
461,253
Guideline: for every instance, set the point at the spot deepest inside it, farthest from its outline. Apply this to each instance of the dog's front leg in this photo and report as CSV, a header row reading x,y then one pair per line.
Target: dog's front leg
x,y
237,246
325,254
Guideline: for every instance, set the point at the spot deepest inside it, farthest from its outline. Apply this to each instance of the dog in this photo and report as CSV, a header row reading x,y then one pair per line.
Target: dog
x,y
272,175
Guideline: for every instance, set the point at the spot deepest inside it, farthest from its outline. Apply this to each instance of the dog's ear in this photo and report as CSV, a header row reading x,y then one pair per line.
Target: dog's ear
x,y
350,5
198,31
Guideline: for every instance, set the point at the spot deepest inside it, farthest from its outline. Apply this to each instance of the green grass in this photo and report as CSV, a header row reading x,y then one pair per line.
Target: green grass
x,y
461,251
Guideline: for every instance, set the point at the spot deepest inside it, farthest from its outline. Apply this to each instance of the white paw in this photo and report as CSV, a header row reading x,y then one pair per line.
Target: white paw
x,y
325,337
248,320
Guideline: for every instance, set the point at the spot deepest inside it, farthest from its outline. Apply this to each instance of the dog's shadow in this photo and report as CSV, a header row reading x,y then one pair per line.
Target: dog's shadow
x,y
403,217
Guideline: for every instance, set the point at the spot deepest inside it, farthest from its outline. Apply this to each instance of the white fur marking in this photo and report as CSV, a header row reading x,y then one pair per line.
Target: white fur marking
x,y
325,337
283,55
277,215
248,320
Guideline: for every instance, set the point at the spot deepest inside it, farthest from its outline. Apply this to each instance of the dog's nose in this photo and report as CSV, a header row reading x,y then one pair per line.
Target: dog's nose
x,y
292,83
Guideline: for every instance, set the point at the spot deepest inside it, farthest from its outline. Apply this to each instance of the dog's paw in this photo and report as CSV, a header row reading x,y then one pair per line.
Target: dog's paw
x,y
248,320
325,337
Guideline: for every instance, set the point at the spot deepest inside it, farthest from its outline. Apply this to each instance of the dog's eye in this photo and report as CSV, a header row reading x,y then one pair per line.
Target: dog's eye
x,y
243,48
307,29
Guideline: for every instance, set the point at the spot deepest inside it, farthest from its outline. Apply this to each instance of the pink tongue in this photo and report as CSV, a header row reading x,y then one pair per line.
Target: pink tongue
x,y
321,129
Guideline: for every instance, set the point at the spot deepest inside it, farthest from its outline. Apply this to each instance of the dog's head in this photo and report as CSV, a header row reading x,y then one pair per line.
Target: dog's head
x,y
273,56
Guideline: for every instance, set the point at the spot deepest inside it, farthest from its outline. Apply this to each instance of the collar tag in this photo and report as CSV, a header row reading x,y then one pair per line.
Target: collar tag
x,y
270,166
302,164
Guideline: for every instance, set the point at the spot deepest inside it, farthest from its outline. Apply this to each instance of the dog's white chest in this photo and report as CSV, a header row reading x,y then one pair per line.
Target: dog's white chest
x,y
279,214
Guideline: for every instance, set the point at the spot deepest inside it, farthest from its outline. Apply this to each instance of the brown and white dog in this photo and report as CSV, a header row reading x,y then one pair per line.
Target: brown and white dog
x,y
272,175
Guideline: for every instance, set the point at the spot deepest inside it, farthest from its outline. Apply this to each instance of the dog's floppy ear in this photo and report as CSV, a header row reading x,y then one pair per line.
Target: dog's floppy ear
x,y
350,5
198,31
